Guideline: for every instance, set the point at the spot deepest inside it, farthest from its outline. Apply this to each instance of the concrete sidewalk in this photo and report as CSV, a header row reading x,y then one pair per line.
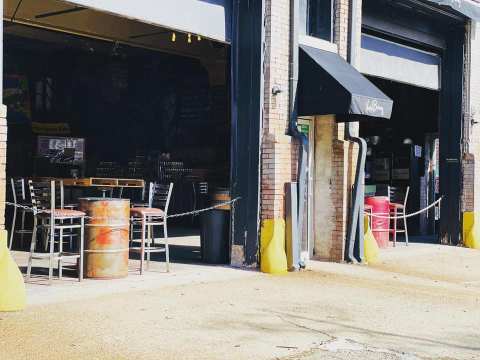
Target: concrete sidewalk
x,y
419,302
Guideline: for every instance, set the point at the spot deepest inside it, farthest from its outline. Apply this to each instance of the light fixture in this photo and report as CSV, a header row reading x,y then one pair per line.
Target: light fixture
x,y
276,90
407,141
199,38
189,38
375,140
174,37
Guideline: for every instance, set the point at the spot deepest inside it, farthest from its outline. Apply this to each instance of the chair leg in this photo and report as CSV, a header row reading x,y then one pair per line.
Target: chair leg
x,y
81,246
23,228
46,235
32,247
152,235
70,240
405,226
130,237
52,245
142,246
167,253
149,242
60,250
395,227
12,231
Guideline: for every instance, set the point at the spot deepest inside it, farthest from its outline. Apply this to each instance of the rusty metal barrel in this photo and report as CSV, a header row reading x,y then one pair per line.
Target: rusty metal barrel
x,y
220,196
106,237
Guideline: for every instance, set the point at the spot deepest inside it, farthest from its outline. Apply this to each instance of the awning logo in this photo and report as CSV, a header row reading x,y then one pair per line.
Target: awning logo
x,y
374,108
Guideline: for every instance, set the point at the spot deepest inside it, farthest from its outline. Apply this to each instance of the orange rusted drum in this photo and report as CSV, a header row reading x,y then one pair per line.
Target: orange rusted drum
x,y
106,237
220,196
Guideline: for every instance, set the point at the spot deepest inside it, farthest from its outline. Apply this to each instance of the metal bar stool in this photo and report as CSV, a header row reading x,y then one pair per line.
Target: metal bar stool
x,y
50,219
148,218
398,207
19,197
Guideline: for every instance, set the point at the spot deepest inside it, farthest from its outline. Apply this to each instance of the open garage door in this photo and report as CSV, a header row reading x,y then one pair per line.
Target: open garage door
x,y
206,18
209,18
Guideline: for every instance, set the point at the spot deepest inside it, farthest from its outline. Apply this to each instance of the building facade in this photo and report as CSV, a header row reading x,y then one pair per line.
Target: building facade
x,y
343,27
270,42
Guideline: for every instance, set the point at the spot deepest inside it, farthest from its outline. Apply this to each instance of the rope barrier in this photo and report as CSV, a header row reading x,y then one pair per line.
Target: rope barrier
x,y
188,213
407,215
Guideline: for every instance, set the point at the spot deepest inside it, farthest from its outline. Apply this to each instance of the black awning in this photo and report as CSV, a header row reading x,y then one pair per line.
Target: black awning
x,y
468,8
329,85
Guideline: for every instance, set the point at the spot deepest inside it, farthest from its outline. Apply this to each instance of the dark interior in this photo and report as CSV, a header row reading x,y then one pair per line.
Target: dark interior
x,y
403,151
131,112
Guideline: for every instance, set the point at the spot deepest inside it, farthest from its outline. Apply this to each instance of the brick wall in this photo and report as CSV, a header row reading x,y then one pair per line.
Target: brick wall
x,y
344,153
471,165
279,151
278,155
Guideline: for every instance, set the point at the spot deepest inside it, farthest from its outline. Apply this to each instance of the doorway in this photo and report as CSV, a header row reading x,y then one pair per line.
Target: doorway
x,y
403,153
306,126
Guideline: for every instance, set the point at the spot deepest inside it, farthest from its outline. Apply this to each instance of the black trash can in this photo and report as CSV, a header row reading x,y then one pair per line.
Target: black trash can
x,y
215,231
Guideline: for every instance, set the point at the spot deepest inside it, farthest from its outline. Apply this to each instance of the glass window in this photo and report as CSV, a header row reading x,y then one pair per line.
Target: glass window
x,y
320,19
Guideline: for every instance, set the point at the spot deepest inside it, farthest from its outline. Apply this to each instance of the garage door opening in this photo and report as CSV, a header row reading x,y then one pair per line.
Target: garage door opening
x,y
87,106
404,153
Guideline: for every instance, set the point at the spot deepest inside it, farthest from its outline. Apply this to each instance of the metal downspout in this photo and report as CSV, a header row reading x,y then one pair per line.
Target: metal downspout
x,y
355,231
293,124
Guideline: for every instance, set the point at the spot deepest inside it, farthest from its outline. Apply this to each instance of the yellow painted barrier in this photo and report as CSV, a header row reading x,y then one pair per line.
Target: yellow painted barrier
x,y
273,258
12,287
471,236
371,249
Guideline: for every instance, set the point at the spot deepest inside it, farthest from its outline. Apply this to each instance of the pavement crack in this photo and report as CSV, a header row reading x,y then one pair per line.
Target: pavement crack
x,y
331,337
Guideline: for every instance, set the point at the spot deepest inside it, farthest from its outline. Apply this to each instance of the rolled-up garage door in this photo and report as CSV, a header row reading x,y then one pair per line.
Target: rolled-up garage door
x,y
397,62
209,18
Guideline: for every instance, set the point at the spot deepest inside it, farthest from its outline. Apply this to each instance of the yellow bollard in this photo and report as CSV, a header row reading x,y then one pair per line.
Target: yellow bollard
x,y
273,259
471,238
370,244
12,287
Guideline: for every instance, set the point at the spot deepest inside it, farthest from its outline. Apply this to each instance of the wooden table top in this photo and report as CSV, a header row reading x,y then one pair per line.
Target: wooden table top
x,y
104,182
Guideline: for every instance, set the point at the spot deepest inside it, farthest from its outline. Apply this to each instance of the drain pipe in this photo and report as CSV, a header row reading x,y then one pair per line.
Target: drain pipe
x,y
293,127
354,249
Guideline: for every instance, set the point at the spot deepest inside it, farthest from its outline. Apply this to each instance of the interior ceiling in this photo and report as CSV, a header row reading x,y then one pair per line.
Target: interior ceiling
x,y
61,16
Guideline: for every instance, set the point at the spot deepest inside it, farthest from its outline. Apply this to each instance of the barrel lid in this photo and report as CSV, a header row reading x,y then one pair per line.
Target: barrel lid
x,y
221,190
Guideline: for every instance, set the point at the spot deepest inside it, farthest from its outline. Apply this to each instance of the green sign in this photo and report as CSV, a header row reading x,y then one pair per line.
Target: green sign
x,y
304,129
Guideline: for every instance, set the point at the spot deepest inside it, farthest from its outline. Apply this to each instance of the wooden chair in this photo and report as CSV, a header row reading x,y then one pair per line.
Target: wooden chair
x,y
54,220
155,214
398,207
19,197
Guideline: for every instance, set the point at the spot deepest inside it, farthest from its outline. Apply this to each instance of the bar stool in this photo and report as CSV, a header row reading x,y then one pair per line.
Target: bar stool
x,y
135,227
19,197
398,207
49,218
149,217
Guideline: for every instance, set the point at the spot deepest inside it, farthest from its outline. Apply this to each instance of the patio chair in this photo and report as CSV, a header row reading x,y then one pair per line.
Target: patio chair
x,y
51,219
19,197
398,207
135,226
155,214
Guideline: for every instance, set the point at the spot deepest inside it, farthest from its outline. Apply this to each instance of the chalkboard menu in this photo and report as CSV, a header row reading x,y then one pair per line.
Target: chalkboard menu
x,y
61,150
